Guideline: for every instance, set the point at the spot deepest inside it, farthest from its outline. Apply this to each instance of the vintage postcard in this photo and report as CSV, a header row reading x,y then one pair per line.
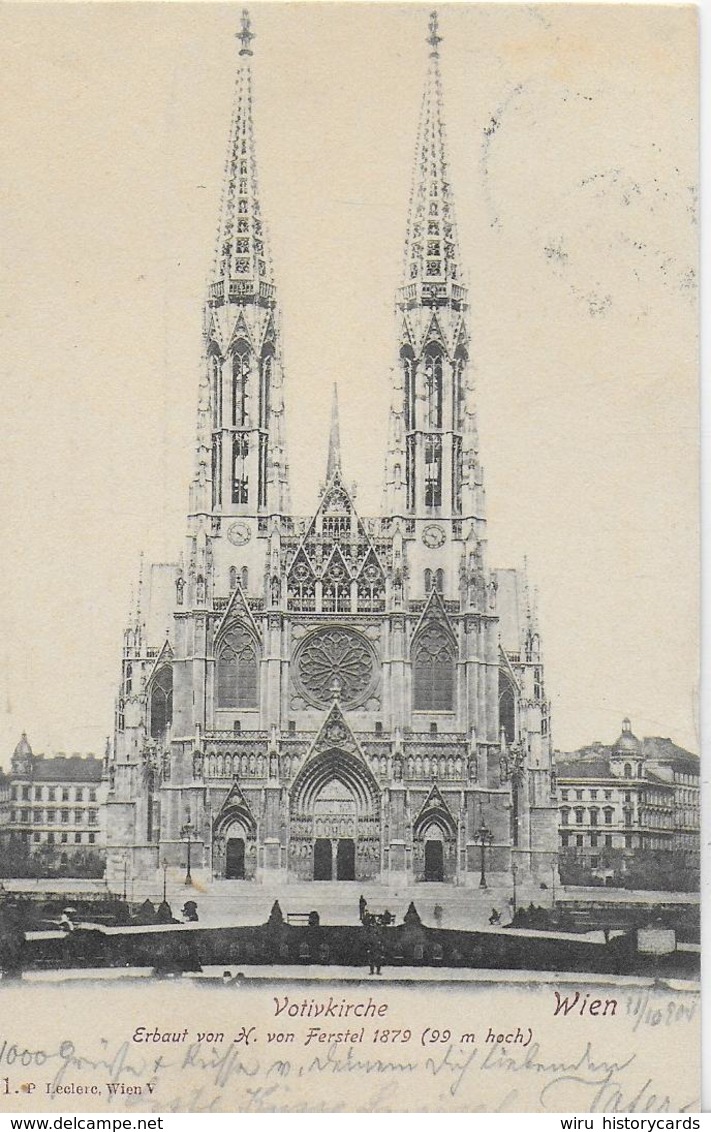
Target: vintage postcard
x,y
350,757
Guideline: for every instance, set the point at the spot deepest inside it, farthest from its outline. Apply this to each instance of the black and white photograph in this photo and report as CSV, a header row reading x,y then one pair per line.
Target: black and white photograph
x,y
350,516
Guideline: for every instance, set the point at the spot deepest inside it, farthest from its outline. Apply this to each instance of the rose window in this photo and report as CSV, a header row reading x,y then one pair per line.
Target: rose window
x,y
334,662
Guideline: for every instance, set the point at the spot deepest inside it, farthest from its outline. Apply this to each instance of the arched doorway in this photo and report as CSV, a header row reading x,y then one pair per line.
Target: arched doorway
x,y
234,858
335,798
234,854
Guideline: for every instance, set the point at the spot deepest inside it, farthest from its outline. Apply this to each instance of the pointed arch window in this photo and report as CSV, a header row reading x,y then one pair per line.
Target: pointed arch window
x,y
433,387
237,669
409,374
410,472
460,363
433,671
233,578
507,708
161,702
265,391
265,385
240,478
302,589
336,589
216,389
457,466
371,589
241,369
216,471
433,470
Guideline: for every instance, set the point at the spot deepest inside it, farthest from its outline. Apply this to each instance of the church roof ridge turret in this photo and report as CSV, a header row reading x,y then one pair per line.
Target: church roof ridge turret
x,y
333,464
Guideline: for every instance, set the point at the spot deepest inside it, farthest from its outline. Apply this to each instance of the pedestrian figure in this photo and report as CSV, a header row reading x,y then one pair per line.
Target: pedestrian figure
x,y
375,952
495,917
438,914
65,922
362,905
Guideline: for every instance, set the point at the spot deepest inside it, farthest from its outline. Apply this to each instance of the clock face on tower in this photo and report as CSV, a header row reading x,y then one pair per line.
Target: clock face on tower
x,y
433,536
239,534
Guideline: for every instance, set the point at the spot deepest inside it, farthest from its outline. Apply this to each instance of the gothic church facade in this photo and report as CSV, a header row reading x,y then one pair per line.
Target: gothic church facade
x,y
338,697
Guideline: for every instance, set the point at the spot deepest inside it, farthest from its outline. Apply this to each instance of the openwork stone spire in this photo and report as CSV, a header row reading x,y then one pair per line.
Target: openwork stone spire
x,y
432,270
243,268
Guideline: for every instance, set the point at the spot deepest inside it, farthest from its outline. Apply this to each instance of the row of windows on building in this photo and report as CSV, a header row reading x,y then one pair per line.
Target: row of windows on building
x,y
433,671
688,797
593,840
579,795
686,779
49,817
237,669
61,838
655,820
594,815
27,793
335,595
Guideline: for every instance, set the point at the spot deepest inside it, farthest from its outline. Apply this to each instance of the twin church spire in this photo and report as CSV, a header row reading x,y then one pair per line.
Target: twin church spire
x,y
432,263
242,466
243,267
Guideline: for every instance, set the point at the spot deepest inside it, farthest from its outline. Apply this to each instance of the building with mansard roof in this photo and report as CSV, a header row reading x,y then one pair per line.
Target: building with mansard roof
x,y
338,697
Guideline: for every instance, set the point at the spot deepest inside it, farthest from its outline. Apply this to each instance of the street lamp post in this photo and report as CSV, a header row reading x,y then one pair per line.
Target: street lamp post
x,y
553,880
125,876
485,837
514,874
187,835
164,865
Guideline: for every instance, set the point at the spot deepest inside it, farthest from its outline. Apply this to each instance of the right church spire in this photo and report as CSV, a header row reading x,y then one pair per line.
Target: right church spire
x,y
432,467
432,263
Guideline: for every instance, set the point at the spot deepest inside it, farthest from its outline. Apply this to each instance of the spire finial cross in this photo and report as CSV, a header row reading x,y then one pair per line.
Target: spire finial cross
x,y
434,39
245,35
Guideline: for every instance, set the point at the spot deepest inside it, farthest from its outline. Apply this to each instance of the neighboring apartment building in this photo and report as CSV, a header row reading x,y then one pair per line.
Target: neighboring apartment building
x,y
629,809
57,801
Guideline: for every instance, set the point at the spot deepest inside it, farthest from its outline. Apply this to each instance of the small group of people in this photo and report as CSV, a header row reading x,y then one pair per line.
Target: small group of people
x,y
382,919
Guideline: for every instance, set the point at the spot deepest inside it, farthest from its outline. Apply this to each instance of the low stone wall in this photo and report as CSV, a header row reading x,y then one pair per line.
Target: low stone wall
x,y
187,948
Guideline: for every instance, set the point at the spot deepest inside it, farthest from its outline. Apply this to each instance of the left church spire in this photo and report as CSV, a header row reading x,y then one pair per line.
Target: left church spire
x,y
242,260
241,459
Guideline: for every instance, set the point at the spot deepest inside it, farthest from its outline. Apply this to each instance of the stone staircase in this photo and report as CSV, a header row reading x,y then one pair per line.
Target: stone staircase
x,y
246,902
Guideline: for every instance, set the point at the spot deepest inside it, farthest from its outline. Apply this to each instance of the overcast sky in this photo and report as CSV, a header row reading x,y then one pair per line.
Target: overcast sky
x,y
572,135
